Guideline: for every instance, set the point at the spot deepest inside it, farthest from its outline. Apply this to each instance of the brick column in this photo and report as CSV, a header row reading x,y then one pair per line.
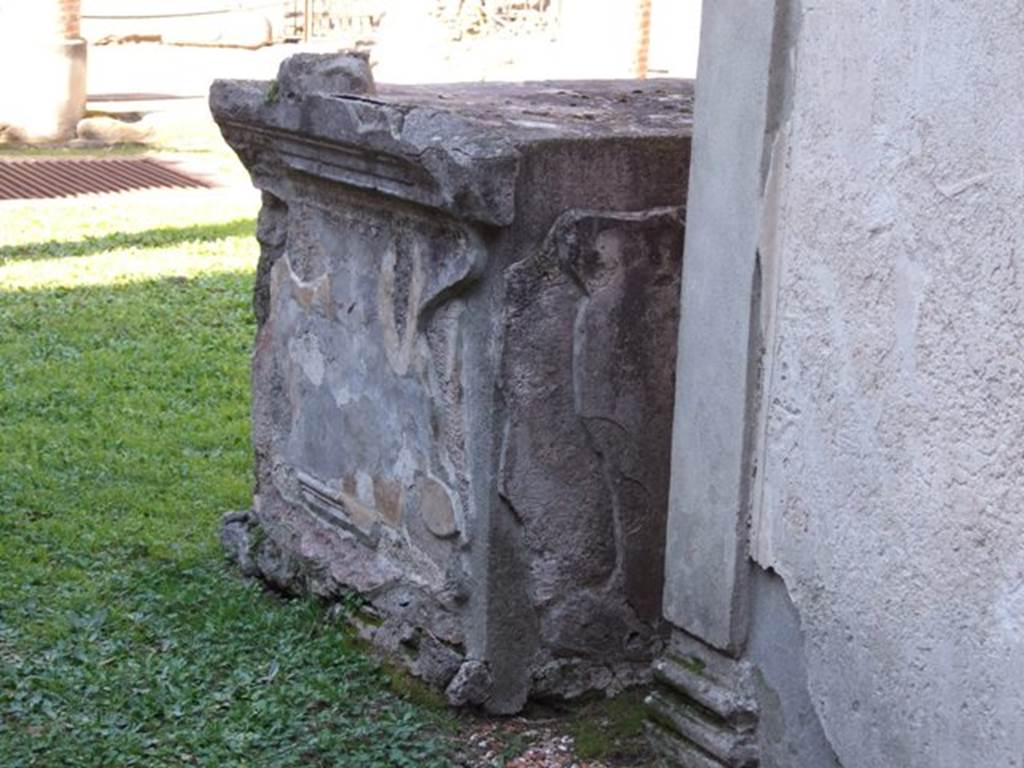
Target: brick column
x,y
70,18
643,38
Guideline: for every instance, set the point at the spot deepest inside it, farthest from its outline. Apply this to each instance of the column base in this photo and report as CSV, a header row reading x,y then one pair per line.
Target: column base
x,y
702,712
47,106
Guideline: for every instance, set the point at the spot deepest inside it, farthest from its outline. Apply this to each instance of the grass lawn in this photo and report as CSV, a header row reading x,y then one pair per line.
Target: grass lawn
x,y
125,330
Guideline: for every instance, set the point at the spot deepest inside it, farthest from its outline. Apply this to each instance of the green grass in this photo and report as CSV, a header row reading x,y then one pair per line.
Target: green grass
x,y
125,331
611,729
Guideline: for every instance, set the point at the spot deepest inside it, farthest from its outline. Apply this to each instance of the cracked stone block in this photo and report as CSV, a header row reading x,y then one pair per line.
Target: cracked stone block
x,y
463,376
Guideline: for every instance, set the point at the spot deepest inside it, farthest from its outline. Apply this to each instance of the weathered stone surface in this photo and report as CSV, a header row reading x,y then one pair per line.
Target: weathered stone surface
x,y
436,508
435,662
308,73
237,539
463,375
590,420
272,234
471,685
570,678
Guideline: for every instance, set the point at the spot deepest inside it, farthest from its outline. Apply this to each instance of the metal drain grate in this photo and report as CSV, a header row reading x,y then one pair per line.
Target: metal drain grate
x,y
25,179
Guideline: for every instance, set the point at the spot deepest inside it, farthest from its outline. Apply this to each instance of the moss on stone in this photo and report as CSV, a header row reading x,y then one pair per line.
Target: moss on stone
x,y
610,728
273,93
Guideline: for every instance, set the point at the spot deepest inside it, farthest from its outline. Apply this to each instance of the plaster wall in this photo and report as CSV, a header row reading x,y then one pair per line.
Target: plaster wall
x,y
890,462
789,734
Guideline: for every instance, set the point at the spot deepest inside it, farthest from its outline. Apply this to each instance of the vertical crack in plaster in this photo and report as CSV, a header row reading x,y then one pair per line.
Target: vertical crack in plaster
x,y
779,106
768,271
767,301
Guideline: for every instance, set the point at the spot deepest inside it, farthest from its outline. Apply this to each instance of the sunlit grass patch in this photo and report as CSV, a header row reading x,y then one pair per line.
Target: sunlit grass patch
x,y
72,220
134,263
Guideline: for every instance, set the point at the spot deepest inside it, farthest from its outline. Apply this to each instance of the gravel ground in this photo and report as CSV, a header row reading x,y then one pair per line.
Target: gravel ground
x,y
521,743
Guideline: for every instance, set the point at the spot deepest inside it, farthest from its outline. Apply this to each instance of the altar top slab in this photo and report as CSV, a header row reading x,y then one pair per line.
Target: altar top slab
x,y
456,146
525,111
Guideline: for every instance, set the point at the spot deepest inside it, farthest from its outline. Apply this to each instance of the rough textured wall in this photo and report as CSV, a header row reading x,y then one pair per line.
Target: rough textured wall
x,y
584,465
892,502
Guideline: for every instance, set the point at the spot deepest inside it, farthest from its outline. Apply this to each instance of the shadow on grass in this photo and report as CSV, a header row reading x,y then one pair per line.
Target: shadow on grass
x,y
151,238
123,640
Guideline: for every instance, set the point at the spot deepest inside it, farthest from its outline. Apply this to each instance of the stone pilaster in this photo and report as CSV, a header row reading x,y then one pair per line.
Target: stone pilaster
x,y
703,712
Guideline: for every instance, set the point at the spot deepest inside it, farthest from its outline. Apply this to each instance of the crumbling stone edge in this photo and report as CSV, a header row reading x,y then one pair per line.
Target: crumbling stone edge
x,y
466,682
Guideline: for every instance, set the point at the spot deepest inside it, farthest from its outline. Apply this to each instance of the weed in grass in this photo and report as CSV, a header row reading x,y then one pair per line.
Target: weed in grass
x,y
415,691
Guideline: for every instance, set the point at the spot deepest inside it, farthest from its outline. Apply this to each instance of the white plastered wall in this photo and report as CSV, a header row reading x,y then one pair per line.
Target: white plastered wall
x,y
890,494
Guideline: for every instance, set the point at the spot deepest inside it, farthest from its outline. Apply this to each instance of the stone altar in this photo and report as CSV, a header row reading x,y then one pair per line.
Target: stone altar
x,y
467,303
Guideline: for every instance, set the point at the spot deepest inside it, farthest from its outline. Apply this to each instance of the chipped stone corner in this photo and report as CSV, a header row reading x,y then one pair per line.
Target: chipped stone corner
x,y
391,616
471,685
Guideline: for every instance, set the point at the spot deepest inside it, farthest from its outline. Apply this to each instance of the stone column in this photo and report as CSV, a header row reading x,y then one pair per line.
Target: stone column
x,y
44,64
706,564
